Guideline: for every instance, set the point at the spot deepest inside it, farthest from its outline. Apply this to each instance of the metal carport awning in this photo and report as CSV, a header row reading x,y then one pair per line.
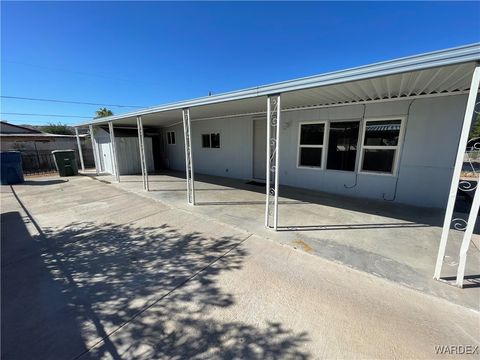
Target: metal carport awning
x,y
441,73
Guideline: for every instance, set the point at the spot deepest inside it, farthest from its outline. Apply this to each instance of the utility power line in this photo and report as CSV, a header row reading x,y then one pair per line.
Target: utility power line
x,y
81,73
49,115
69,102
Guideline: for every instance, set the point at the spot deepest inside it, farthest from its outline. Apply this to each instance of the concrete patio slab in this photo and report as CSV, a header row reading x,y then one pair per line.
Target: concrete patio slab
x,y
389,240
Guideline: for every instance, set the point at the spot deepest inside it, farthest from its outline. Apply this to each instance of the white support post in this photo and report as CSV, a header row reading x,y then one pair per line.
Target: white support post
x,y
467,236
141,146
273,161
80,153
188,157
95,150
467,121
113,149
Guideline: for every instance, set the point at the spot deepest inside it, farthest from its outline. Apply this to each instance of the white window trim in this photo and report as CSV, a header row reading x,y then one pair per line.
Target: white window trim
x,y
172,131
397,148
325,128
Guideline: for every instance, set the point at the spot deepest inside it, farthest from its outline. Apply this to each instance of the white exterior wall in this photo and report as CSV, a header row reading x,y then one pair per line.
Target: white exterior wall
x,y
431,137
233,158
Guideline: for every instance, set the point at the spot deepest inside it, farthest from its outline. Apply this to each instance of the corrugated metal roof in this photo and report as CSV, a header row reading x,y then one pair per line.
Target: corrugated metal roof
x,y
445,71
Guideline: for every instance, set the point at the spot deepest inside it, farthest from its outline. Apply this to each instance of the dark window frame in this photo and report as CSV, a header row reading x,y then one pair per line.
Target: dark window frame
x,y
171,140
206,137
210,140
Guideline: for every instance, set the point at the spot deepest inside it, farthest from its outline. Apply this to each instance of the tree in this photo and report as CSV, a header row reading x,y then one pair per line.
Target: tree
x,y
103,112
475,129
59,128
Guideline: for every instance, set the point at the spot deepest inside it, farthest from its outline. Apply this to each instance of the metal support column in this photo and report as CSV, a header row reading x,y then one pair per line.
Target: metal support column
x,y
467,236
141,146
188,157
467,121
95,150
80,153
113,149
273,143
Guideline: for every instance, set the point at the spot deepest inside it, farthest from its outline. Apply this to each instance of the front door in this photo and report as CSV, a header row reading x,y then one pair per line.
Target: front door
x,y
259,148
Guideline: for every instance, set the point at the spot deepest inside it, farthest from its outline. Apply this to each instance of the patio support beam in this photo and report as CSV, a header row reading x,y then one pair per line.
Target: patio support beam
x,y
188,157
141,146
467,236
467,121
80,153
95,150
273,159
113,149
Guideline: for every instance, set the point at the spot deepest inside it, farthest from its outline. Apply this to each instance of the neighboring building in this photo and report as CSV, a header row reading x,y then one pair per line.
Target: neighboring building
x,y
36,146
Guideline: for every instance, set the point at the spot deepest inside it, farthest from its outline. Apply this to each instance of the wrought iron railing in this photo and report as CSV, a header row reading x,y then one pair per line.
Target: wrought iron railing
x,y
37,162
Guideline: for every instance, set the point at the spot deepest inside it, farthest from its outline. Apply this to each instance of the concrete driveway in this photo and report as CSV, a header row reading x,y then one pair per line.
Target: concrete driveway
x,y
92,271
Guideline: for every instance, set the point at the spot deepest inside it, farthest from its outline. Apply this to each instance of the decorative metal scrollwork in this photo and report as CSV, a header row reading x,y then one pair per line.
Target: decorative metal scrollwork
x,y
188,156
459,224
466,185
272,123
476,109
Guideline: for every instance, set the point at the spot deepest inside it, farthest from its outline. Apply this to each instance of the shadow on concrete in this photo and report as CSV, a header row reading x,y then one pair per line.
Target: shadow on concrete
x,y
158,285
38,319
299,196
469,281
185,189
150,180
126,291
205,203
351,226
44,182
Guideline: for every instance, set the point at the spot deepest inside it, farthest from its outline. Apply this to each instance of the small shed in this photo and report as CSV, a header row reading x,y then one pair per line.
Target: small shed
x,y
126,143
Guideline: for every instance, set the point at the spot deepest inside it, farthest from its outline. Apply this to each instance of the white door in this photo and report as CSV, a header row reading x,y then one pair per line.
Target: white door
x,y
106,157
259,148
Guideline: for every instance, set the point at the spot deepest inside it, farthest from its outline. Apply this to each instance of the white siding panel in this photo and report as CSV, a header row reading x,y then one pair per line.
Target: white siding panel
x,y
129,155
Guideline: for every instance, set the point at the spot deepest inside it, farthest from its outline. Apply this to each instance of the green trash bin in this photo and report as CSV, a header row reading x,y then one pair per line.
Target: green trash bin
x,y
66,162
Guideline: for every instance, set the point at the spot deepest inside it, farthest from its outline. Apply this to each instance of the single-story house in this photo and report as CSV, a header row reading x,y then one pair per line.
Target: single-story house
x,y
394,131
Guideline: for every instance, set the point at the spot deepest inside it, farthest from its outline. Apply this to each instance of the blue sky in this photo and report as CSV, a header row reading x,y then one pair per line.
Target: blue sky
x,y
149,53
